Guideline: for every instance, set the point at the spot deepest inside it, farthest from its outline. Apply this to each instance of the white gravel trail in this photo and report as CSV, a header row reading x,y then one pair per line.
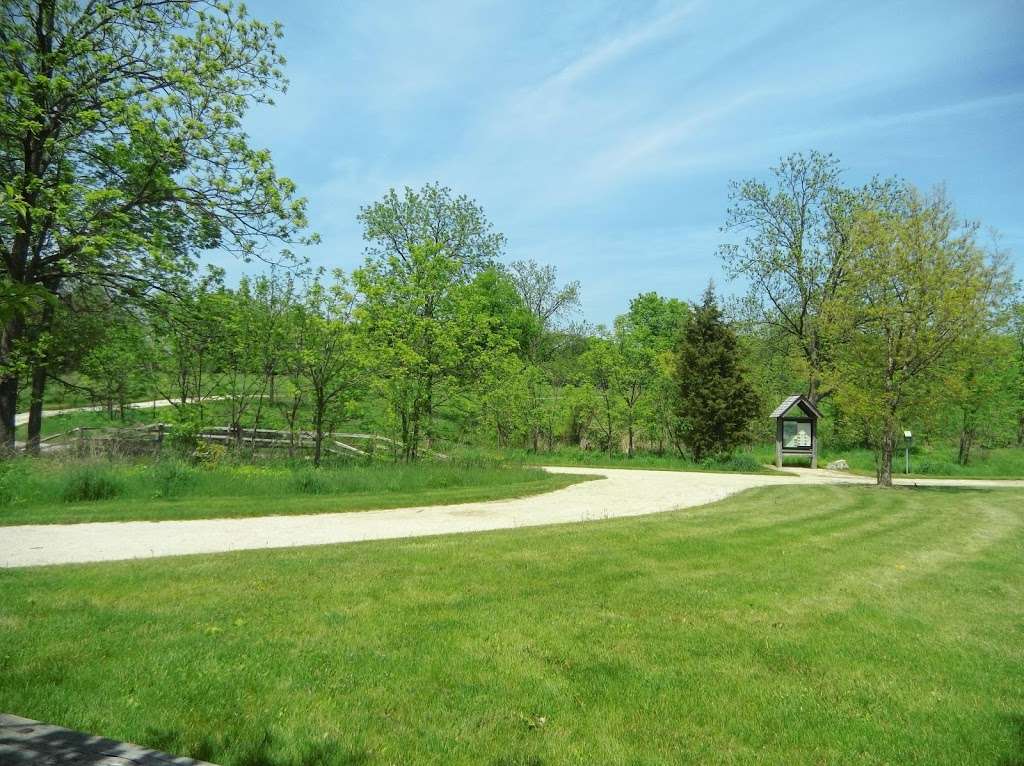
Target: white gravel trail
x,y
621,492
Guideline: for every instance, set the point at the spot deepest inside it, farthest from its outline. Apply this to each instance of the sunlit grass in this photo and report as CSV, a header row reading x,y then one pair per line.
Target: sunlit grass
x,y
65,490
801,625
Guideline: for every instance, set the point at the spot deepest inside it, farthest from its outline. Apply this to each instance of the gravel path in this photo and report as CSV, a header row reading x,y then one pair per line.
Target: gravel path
x,y
619,493
22,417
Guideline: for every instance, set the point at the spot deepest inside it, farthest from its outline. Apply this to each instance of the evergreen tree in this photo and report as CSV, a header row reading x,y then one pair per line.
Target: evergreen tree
x,y
715,403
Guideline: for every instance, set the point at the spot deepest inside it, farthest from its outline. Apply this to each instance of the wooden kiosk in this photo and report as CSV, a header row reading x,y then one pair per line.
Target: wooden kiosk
x,y
796,429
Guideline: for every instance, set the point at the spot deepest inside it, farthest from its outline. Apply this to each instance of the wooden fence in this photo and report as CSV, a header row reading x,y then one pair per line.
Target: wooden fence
x,y
150,439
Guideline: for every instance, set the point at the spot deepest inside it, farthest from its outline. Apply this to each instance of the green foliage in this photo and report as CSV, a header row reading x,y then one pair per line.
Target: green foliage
x,y
183,436
715,402
12,481
90,483
122,138
172,478
309,482
396,226
920,294
429,334
793,254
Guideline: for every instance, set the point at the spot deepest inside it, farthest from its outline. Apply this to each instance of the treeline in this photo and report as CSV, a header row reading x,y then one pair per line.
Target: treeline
x,y
124,161
432,338
435,338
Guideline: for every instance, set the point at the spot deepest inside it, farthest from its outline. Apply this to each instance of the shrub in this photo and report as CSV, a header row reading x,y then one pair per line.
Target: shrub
x,y
935,467
742,462
183,434
309,482
90,483
171,478
210,455
12,477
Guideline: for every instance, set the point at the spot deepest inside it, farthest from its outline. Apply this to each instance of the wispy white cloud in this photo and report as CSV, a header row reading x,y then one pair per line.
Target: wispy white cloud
x,y
618,47
604,131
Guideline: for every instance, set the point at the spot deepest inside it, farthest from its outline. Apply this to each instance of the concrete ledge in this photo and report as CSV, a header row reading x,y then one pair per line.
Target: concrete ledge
x,y
24,742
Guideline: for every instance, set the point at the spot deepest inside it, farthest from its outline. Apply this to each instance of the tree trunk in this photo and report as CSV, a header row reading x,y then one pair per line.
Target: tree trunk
x,y
428,426
12,332
968,433
8,409
318,432
888,447
35,410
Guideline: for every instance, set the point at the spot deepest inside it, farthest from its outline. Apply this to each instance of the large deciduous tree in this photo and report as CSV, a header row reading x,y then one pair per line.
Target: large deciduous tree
x,y
433,216
429,293
122,151
919,288
793,252
431,334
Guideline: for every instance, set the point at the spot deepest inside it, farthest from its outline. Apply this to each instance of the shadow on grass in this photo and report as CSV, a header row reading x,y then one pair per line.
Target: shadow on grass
x,y
24,742
259,750
518,761
1016,757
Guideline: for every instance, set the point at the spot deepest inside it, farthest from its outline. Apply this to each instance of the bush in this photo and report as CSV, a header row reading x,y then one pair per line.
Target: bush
x,y
12,476
742,462
936,467
90,483
210,455
310,482
171,478
182,437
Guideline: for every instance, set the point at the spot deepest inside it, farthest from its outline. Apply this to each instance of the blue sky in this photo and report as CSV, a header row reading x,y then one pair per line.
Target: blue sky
x,y
601,136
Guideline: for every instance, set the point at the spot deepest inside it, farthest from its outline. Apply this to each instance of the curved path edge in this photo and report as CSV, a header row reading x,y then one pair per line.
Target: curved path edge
x,y
620,493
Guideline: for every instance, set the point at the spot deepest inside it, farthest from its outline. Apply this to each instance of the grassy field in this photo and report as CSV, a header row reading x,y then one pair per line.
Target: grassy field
x,y
52,491
937,461
744,461
925,460
799,625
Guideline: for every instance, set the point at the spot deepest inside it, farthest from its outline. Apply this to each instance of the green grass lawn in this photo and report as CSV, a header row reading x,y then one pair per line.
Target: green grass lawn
x,y
743,461
936,461
926,461
58,491
800,625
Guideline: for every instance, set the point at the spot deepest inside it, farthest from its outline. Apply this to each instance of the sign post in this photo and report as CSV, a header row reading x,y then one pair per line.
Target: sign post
x,y
908,439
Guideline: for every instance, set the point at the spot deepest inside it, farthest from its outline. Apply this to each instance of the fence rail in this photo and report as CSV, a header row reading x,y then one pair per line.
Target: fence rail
x,y
150,438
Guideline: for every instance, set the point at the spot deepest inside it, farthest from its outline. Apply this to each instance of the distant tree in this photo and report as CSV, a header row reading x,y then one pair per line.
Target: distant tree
x,y
646,336
601,368
431,334
978,386
330,358
115,366
455,226
188,329
919,290
1017,386
548,302
715,402
794,252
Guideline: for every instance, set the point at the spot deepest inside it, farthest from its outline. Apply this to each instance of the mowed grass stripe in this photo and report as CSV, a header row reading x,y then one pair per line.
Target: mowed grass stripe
x,y
736,634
